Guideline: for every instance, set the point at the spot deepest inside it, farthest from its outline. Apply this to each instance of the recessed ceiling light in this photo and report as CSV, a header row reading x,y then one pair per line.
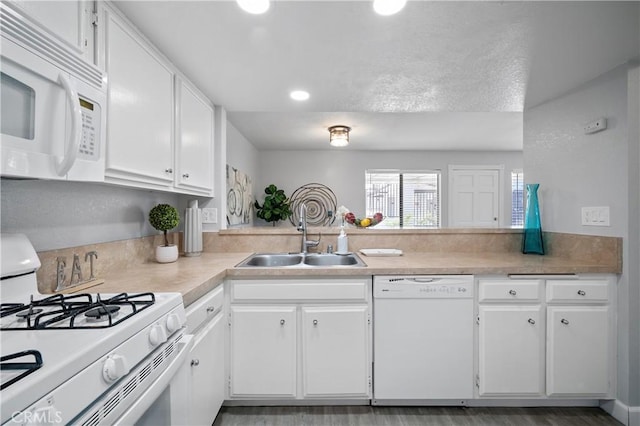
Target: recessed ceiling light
x,y
299,95
388,7
255,7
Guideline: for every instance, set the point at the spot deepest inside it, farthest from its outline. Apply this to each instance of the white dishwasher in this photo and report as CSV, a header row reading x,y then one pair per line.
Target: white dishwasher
x,y
423,339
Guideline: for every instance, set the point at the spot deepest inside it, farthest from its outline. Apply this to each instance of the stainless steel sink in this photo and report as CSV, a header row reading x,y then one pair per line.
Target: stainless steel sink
x,y
299,260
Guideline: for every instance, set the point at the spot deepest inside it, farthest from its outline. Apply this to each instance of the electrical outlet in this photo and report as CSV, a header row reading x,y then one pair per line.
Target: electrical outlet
x,y
595,126
210,215
595,216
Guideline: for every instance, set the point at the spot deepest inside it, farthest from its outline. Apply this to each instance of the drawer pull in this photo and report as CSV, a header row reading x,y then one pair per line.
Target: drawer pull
x,y
185,175
195,362
281,322
512,292
168,170
315,322
210,309
581,292
531,321
564,321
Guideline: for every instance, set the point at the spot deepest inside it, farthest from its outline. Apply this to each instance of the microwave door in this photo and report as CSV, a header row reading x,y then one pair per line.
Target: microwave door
x,y
35,122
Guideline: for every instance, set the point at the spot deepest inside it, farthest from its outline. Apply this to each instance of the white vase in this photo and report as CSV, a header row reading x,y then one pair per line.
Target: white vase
x,y
166,254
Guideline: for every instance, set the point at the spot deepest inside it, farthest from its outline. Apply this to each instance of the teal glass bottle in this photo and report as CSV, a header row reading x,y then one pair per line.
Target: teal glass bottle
x,y
532,236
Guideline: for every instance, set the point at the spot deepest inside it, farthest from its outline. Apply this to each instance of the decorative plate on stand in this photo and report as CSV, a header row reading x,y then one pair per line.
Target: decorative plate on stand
x,y
321,204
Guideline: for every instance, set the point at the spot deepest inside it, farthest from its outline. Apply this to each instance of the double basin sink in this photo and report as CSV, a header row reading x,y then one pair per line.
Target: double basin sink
x,y
294,260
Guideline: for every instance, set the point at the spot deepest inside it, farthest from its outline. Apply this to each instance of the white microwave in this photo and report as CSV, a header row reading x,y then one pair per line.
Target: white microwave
x,y
53,105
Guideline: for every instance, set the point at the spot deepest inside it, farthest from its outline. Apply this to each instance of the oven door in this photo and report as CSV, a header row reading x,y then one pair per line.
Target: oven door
x,y
155,392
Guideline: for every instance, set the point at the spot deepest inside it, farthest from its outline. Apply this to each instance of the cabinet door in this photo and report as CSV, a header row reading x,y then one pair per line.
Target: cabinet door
x,y
140,114
194,140
578,350
511,350
207,372
335,351
263,351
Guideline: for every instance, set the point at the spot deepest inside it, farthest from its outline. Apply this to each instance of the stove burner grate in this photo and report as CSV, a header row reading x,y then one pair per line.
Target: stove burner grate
x,y
102,311
28,367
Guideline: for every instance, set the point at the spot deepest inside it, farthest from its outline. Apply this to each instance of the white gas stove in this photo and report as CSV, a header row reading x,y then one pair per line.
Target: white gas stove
x,y
84,358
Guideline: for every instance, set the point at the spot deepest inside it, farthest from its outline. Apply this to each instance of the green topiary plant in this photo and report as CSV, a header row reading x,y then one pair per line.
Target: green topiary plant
x,y
164,217
275,206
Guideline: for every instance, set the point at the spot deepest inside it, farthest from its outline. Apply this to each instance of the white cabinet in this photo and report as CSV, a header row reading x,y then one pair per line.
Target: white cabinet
x,y
263,351
206,319
194,140
510,338
69,20
160,127
335,353
140,107
579,338
560,346
300,338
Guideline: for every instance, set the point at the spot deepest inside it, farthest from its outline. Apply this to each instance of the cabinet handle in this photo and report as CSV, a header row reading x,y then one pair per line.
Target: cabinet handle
x,y
195,362
210,309
531,321
168,170
281,322
564,321
581,292
186,175
512,292
315,322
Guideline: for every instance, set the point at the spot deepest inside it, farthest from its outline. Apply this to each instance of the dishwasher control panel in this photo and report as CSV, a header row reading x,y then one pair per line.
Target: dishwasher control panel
x,y
423,286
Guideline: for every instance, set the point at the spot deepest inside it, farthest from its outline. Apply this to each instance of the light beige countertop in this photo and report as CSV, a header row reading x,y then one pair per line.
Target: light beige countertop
x,y
195,276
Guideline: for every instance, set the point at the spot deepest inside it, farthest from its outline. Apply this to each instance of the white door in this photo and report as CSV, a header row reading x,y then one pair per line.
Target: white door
x,y
474,197
335,351
207,373
263,351
140,101
511,350
194,140
578,350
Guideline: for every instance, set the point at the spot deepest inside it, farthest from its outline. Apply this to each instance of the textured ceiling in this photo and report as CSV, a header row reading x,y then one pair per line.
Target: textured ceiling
x,y
438,75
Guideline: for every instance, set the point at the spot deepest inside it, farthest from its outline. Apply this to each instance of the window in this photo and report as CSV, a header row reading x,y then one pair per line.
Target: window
x,y
517,199
407,199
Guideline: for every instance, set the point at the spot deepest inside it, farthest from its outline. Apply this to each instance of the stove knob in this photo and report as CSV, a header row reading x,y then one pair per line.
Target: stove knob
x,y
157,335
114,368
173,323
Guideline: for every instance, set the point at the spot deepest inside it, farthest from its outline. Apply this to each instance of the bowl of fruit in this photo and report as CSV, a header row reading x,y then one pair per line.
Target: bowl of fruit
x,y
364,222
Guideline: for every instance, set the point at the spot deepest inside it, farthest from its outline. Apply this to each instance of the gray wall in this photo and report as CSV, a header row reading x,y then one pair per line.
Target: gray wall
x,y
577,170
56,214
344,171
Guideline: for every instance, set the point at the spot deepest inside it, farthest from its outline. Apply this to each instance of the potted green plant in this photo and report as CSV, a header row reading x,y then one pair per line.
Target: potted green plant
x,y
275,206
164,217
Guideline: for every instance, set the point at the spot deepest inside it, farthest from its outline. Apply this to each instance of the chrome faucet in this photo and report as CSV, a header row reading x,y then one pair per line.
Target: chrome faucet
x,y
302,226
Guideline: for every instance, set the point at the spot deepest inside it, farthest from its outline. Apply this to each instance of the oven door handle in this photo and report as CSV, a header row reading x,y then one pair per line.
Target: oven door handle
x,y
142,404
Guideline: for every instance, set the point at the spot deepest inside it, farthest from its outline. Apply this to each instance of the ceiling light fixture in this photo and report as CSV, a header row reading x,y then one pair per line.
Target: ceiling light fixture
x,y
299,95
388,7
255,7
339,135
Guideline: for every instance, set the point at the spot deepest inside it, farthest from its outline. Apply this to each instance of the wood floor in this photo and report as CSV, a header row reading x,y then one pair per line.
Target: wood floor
x,y
410,416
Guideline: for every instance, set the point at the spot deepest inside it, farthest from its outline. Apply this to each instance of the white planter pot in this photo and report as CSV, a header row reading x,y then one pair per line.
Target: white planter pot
x,y
166,254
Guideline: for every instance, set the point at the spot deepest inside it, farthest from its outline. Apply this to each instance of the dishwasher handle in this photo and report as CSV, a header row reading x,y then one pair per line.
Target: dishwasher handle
x,y
423,280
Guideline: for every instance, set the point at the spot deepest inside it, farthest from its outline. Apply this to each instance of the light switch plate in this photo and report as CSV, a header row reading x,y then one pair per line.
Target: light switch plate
x,y
595,216
210,215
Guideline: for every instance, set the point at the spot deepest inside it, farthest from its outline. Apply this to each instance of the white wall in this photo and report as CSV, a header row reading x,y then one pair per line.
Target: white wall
x,y
344,171
56,214
242,155
576,170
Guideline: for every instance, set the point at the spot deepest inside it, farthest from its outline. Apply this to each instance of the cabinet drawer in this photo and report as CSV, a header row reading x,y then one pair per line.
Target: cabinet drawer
x,y
577,291
205,307
334,289
509,290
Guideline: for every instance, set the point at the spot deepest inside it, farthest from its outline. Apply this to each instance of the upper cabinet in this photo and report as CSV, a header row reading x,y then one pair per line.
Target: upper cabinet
x,y
70,21
159,126
194,139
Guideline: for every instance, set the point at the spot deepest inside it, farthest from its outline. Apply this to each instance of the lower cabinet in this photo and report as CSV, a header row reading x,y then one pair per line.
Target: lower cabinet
x,y
559,346
309,342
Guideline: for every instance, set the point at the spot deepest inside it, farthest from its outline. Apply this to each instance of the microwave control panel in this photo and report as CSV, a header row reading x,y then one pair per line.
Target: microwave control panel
x,y
89,148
